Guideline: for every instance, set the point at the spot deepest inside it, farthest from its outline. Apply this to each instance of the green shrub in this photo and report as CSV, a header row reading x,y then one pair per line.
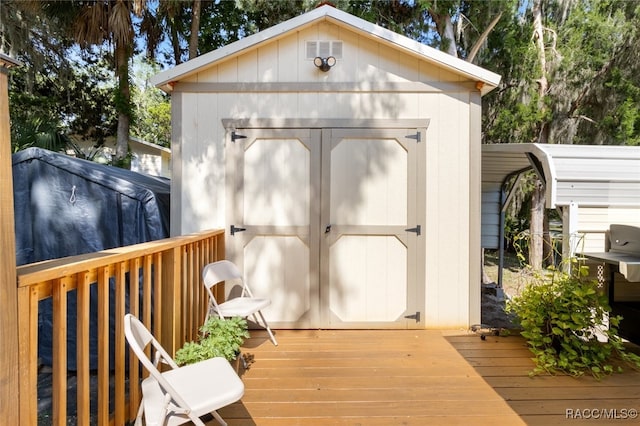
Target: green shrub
x,y
561,317
220,337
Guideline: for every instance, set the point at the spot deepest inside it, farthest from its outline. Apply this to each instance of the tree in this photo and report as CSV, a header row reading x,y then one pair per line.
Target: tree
x,y
262,14
460,27
598,78
167,25
106,21
102,23
151,107
195,29
50,110
441,13
60,93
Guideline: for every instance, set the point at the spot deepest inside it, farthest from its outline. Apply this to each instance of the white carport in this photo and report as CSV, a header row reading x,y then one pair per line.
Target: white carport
x,y
593,186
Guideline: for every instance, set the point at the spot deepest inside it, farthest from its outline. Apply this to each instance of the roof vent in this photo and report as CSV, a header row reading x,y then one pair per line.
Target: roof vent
x,y
324,49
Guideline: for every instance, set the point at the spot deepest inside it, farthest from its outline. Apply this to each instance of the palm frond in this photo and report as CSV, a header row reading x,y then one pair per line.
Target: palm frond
x,y
120,23
139,6
93,25
37,132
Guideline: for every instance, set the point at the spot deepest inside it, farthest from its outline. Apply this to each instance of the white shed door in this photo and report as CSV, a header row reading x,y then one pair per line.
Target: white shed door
x,y
324,222
273,179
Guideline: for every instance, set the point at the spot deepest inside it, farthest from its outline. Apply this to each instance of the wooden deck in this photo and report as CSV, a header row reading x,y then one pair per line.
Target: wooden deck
x,y
415,378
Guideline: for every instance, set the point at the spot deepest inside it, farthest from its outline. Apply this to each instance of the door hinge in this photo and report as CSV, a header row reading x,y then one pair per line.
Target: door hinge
x,y
417,229
235,136
415,316
234,229
416,136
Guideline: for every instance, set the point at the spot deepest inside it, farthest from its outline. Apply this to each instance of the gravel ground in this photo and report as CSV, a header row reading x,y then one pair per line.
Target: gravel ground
x,y
494,299
493,309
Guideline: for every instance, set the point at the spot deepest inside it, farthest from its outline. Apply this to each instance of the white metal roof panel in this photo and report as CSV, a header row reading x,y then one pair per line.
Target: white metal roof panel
x,y
589,175
489,79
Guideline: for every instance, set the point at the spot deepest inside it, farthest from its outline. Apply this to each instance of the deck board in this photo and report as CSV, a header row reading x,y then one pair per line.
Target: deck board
x,y
418,377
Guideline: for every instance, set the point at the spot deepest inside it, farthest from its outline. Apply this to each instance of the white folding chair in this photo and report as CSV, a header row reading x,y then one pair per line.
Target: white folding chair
x,y
243,306
181,394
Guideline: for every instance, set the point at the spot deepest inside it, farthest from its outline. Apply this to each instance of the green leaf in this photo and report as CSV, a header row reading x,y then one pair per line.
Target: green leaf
x,y
557,331
220,338
559,314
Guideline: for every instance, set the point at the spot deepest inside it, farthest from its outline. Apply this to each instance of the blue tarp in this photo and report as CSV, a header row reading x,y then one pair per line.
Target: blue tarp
x,y
66,206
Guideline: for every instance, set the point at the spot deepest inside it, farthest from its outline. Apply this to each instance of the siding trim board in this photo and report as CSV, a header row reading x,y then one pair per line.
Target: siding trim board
x,y
322,123
312,87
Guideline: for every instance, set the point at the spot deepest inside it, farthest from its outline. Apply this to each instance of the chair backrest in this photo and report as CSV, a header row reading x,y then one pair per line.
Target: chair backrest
x,y
139,338
219,271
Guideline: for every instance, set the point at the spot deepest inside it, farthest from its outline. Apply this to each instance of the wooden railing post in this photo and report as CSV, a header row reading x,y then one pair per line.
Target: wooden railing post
x,y
9,359
28,350
171,304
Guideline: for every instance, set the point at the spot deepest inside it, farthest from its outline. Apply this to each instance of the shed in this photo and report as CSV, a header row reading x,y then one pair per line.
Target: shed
x,y
592,186
350,193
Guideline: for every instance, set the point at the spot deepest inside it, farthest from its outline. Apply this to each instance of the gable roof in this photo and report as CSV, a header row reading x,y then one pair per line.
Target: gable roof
x,y
149,145
488,79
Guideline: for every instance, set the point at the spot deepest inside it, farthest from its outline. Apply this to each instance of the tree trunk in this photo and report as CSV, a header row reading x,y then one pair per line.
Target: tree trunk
x,y
444,27
536,250
195,29
175,44
547,247
483,38
123,105
536,228
538,37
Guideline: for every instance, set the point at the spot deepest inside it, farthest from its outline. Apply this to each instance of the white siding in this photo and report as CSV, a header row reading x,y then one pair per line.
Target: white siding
x,y
448,211
147,163
593,222
491,215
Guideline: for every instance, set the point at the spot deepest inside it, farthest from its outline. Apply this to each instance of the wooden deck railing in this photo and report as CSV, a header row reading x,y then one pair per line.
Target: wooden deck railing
x,y
157,281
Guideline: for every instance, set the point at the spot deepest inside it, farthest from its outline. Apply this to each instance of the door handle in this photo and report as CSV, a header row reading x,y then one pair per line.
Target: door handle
x,y
327,229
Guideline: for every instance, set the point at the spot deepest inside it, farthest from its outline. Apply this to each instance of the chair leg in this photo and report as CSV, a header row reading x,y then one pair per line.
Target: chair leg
x,y
218,418
273,338
140,414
